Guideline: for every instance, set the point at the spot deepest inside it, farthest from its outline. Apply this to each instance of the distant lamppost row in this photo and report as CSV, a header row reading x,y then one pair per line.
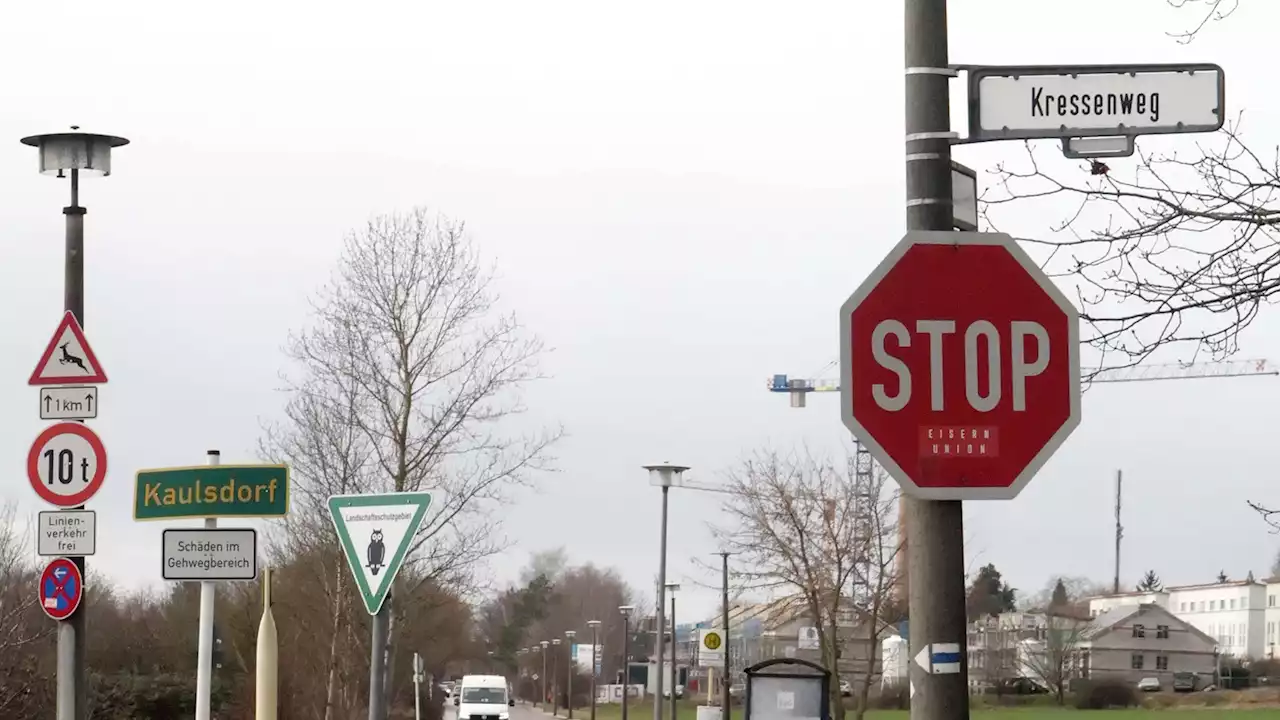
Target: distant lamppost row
x,y
672,588
569,634
595,658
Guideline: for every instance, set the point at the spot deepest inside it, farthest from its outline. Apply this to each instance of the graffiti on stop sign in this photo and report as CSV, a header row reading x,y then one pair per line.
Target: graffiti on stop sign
x,y
960,365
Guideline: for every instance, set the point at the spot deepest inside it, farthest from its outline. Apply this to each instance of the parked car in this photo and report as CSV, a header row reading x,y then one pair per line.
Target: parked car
x,y
1149,684
1020,686
845,688
737,689
666,693
1185,681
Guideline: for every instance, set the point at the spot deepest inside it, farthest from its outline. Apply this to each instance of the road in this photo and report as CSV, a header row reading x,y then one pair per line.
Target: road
x,y
519,712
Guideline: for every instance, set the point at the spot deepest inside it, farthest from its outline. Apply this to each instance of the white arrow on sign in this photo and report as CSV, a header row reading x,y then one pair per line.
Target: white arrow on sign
x,y
939,658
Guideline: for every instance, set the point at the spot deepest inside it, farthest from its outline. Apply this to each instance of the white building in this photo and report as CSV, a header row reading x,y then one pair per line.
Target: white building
x,y
1242,616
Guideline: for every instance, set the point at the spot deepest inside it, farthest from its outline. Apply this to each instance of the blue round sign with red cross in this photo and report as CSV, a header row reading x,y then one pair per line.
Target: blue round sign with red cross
x,y
61,587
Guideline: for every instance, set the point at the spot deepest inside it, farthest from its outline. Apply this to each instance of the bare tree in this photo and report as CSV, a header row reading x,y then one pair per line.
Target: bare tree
x,y
1053,660
407,338
806,529
1206,11
993,653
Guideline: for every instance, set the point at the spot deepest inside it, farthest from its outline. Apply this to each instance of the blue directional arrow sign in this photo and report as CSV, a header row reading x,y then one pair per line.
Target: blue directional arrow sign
x,y
939,658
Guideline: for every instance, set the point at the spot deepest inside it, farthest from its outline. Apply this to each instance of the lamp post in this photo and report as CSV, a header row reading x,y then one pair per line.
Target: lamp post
x,y
543,701
569,635
68,155
625,611
555,677
664,476
490,661
595,657
724,608
672,588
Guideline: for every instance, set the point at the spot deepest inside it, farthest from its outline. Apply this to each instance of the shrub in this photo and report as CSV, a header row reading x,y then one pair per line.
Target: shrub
x,y
1103,694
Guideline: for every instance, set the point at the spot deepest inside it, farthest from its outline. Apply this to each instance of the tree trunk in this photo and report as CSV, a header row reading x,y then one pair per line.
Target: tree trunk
x,y
332,681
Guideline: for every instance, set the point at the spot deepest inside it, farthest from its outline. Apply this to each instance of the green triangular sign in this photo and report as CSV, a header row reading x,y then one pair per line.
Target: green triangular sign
x,y
376,532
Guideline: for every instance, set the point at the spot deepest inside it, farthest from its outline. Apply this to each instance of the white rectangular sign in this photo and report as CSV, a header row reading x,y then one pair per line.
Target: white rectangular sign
x,y
78,402
67,533
1056,102
711,647
210,554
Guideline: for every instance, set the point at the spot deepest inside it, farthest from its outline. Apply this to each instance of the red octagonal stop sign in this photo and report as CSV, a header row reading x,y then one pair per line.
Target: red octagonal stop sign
x,y
960,365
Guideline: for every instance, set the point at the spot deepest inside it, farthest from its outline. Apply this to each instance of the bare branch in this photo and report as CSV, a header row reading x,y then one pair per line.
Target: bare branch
x,y
1209,11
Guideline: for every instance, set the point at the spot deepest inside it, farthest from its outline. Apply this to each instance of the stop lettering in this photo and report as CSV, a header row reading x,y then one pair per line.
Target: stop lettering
x,y
960,365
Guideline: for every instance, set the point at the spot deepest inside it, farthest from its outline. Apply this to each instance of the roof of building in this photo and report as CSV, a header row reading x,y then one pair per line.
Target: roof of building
x,y
1209,586
1108,620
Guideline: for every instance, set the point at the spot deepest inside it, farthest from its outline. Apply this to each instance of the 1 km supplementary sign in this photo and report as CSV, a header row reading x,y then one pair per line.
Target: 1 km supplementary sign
x,y
1011,102
212,491
210,554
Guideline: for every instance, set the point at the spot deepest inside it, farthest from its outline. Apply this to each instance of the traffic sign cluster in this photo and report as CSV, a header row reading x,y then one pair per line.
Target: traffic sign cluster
x,y
66,464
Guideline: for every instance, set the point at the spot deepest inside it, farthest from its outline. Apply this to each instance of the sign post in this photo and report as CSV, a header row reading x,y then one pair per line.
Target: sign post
x,y
376,532
211,554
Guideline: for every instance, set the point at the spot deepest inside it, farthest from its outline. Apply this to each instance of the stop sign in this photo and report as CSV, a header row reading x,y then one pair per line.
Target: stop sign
x,y
960,365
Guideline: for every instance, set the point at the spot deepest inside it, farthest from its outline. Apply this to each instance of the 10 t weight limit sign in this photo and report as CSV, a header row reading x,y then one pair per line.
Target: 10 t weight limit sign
x,y
67,464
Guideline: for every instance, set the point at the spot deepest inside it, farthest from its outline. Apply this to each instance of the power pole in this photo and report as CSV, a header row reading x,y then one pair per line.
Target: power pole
x,y
935,529
724,608
1115,585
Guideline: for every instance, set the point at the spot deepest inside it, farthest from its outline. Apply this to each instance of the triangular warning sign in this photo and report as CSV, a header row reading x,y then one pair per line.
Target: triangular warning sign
x,y
376,532
68,359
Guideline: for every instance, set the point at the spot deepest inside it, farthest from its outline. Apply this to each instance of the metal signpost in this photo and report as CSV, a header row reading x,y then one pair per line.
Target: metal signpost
x,y
953,394
376,532
66,466
210,491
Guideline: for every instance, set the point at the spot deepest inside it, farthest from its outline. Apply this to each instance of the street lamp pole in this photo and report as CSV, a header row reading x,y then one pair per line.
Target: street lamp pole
x,y
724,589
569,634
664,476
555,677
543,701
672,588
625,611
62,154
595,659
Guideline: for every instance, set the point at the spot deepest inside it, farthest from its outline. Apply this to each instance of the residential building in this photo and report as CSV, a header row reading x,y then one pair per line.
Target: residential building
x,y
1235,613
1133,642
1130,642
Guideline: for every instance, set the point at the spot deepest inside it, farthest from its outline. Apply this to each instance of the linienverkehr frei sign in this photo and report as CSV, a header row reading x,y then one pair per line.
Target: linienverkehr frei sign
x,y
206,491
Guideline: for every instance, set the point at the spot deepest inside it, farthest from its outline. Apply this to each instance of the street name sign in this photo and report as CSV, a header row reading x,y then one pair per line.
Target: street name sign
x,y
67,532
376,532
939,658
210,554
61,588
67,464
68,359
1050,101
211,491
960,365
69,402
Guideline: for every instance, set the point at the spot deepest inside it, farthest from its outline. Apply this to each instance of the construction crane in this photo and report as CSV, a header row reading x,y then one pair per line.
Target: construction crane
x,y
799,388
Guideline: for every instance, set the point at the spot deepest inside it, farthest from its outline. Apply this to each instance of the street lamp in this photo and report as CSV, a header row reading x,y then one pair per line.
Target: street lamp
x,y
595,648
544,645
73,153
664,476
555,677
625,611
672,588
490,661
569,671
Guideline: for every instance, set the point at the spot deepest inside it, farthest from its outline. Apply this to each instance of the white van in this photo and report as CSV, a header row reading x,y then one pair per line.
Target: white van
x,y
482,697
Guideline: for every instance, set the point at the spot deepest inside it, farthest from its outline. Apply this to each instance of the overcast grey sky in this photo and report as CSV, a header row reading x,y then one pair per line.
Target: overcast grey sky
x,y
679,195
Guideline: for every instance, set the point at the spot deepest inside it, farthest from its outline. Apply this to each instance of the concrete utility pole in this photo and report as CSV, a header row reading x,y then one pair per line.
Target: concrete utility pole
x,y
935,529
62,154
728,677
1115,585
